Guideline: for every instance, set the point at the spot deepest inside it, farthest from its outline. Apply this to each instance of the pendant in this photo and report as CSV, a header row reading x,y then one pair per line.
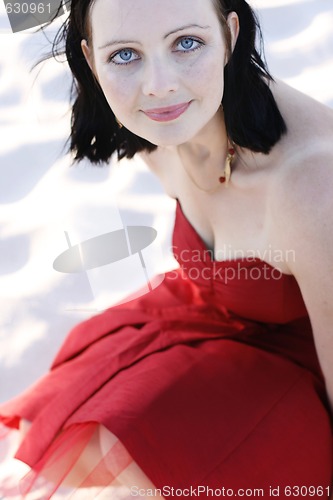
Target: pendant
x,y
227,167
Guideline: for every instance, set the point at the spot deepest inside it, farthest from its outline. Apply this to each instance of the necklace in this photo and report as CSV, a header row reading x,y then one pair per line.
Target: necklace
x,y
225,178
226,174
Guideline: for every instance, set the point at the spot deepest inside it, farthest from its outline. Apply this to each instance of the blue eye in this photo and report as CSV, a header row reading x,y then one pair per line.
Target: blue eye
x,y
188,44
124,56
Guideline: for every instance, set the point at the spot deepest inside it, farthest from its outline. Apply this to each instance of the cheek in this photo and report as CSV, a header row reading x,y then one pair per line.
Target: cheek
x,y
207,76
118,89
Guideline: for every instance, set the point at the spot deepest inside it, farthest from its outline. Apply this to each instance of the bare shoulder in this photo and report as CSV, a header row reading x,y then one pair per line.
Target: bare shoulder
x,y
304,184
302,202
302,207
302,190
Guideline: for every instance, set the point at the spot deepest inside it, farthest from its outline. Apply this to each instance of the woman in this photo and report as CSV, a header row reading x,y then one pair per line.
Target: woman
x,y
220,378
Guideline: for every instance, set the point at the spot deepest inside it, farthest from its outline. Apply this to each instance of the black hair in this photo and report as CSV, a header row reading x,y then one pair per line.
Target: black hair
x,y
252,117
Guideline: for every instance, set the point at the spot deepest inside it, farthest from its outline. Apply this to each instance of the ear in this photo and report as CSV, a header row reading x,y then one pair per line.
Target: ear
x,y
233,24
87,52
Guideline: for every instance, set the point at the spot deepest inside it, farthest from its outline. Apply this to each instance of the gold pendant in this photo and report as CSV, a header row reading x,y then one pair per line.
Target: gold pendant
x,y
227,167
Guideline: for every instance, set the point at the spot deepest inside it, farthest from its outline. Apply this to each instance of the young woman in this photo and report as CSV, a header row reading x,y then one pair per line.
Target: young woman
x,y
222,377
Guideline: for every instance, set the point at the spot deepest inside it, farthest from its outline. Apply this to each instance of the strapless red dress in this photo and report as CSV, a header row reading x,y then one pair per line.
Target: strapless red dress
x,y
210,380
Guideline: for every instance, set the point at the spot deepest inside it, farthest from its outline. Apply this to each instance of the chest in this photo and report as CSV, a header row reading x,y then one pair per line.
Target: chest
x,y
247,286
234,227
233,222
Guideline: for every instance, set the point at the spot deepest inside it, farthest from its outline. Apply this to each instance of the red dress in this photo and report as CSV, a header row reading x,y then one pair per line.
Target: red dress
x,y
210,380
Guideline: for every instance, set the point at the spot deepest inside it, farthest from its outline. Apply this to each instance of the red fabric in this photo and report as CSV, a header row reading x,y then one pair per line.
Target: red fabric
x,y
210,379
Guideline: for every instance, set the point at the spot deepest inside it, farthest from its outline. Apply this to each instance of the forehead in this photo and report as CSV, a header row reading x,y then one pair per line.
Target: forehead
x,y
126,18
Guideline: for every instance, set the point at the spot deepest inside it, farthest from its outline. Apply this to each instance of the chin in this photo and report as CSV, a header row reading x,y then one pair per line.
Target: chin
x,y
168,139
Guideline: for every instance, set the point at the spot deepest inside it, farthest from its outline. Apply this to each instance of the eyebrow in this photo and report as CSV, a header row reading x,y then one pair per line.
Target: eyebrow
x,y
124,42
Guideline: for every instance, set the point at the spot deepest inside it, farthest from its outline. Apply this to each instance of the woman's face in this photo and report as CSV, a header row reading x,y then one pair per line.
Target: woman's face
x,y
160,64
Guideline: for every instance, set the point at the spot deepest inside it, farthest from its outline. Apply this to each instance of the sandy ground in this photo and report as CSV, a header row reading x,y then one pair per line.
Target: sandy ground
x,y
47,205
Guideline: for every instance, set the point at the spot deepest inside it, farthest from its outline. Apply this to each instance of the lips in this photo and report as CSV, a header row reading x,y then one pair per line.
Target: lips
x,y
167,114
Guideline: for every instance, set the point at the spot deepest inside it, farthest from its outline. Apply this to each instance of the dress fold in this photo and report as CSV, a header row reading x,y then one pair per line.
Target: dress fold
x,y
207,379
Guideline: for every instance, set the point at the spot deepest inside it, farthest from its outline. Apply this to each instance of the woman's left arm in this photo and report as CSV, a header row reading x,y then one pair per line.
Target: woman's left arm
x,y
306,227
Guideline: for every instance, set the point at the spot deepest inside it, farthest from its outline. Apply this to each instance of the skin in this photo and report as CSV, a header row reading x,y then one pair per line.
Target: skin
x,y
281,201
162,71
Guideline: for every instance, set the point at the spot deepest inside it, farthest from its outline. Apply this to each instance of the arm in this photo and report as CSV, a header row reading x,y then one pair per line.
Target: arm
x,y
306,226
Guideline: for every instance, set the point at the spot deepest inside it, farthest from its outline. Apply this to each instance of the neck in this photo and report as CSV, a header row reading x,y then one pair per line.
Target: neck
x,y
210,144
203,157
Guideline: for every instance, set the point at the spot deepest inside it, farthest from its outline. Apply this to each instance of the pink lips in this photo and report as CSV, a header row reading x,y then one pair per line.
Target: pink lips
x,y
167,114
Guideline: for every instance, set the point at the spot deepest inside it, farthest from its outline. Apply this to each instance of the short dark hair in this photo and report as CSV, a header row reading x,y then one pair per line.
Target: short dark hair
x,y
252,117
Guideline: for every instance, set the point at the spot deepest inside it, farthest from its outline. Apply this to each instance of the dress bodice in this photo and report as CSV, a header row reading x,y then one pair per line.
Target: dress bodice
x,y
249,287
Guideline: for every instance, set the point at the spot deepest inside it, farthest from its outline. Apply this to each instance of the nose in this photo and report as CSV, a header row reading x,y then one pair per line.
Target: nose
x,y
159,78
